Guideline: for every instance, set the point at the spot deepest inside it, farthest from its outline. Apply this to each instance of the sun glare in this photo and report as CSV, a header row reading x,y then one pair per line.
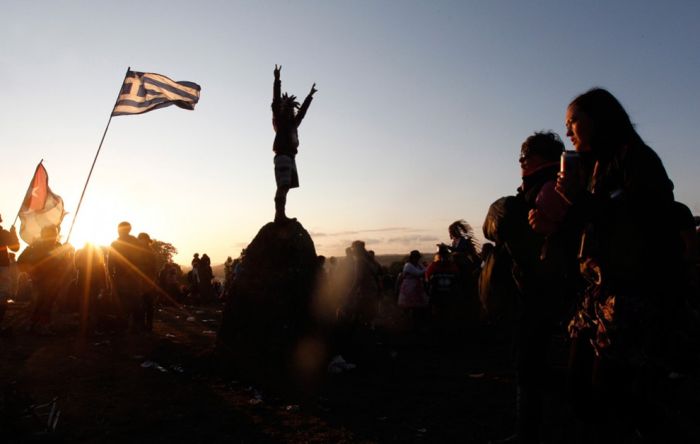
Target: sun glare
x,y
93,228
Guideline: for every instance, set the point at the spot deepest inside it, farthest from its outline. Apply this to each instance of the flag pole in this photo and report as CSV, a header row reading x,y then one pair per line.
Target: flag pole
x,y
75,216
29,188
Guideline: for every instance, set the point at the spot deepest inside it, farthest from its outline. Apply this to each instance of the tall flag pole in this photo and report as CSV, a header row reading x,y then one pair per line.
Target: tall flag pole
x,y
140,93
92,167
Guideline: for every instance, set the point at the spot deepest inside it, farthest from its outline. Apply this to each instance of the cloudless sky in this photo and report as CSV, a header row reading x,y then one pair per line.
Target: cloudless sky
x,y
421,110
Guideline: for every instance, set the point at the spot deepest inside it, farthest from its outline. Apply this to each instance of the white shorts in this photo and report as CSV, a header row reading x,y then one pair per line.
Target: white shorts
x,y
286,172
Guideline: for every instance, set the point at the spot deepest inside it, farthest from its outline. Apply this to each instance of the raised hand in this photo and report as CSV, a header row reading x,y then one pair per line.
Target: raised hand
x,y
277,71
313,90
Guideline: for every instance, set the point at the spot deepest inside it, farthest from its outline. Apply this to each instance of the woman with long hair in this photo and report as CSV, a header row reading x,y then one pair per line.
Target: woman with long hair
x,y
628,259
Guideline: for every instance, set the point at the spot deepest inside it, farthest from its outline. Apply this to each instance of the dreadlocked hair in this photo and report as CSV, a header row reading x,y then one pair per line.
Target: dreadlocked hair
x,y
290,101
460,228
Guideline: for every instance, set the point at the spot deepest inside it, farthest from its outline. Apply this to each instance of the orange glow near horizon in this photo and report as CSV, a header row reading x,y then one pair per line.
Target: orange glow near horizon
x,y
92,227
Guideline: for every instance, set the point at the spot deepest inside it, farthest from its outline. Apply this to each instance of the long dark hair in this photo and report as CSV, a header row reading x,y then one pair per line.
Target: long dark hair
x,y
612,125
462,229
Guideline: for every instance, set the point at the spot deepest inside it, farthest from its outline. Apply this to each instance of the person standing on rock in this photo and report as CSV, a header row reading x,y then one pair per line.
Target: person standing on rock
x,y
285,120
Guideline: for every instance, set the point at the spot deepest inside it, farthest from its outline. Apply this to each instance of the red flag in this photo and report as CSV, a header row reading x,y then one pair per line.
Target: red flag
x,y
41,207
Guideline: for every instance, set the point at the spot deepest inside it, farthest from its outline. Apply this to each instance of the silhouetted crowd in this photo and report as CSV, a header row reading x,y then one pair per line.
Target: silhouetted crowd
x,y
113,288
592,245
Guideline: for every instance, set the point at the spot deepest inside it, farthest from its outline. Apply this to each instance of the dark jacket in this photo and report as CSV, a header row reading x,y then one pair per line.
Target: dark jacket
x,y
628,215
48,263
541,280
124,258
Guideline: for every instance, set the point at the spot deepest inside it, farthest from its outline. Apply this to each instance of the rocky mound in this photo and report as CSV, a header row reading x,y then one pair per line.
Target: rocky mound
x,y
267,321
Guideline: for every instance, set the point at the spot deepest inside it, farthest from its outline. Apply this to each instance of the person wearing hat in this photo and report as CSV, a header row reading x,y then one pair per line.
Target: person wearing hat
x,y
8,241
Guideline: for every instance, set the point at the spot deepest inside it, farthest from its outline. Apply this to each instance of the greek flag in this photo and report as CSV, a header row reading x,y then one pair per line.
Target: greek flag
x,y
146,91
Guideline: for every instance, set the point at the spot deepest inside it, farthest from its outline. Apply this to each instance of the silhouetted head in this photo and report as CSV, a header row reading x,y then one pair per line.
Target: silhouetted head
x,y
460,228
596,122
443,251
540,149
205,259
289,105
414,256
358,247
124,228
145,238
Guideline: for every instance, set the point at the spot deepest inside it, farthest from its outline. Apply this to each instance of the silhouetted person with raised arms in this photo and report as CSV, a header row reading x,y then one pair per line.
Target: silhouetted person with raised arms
x,y
286,119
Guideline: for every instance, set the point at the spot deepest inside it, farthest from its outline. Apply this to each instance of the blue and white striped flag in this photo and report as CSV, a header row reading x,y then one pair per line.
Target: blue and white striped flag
x,y
146,91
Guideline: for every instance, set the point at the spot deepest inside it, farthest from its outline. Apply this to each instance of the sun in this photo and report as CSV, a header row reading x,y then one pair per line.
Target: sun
x,y
94,227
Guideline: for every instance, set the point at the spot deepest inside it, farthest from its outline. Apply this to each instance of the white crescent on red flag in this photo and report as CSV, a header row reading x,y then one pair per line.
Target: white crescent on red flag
x,y
41,207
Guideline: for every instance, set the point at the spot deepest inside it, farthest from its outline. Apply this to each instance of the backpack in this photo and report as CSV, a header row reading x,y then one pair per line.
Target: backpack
x,y
506,219
442,285
498,291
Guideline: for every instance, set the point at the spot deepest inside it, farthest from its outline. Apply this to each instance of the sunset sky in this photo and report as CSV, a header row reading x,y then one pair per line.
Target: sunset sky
x,y
418,120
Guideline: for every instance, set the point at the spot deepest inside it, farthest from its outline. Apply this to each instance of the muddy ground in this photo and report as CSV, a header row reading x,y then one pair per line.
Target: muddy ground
x,y
173,386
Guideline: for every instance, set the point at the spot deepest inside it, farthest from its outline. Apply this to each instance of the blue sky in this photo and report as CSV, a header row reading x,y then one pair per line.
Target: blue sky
x,y
421,109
